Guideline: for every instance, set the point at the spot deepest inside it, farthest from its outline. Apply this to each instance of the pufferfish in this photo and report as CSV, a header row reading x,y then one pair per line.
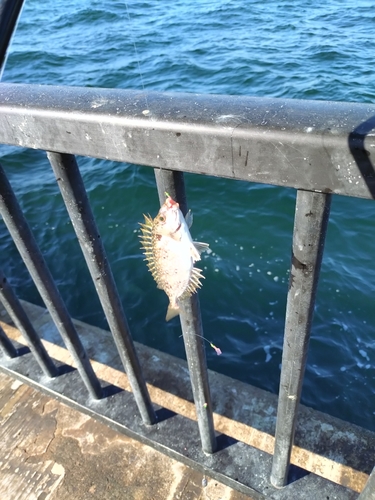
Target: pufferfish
x,y
171,253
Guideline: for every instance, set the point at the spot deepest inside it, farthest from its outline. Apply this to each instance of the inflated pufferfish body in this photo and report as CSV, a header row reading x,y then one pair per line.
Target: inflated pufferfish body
x,y
171,253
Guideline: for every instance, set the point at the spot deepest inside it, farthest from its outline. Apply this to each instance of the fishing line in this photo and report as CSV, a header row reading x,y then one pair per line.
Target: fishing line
x,y
136,52
214,347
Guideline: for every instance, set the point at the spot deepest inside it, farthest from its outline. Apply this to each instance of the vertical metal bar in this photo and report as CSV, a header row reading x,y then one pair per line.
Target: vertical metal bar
x,y
35,263
22,322
9,13
74,195
368,492
191,324
310,225
6,345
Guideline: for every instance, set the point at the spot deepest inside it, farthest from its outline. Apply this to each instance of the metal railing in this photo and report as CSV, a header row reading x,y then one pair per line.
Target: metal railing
x,y
318,148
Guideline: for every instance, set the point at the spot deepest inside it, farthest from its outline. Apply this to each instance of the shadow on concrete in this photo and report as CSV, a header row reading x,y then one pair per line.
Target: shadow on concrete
x,y
295,473
21,351
110,390
223,441
164,414
62,369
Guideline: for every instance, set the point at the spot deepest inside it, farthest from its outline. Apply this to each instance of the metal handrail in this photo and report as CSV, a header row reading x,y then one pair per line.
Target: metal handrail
x,y
318,148
313,145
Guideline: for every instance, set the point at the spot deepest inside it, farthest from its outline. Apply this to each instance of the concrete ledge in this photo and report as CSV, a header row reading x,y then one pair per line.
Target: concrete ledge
x,y
326,446
50,451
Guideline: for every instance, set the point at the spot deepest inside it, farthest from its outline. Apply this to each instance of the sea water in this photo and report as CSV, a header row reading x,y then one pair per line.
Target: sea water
x,y
291,49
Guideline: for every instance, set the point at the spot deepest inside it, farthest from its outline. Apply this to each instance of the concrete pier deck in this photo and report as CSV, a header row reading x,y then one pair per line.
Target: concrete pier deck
x,y
49,451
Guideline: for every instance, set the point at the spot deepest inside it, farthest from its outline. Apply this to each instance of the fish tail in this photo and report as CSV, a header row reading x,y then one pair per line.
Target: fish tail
x,y
172,312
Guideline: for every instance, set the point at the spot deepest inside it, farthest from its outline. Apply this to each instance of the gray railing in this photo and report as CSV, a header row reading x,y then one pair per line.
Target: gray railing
x,y
319,148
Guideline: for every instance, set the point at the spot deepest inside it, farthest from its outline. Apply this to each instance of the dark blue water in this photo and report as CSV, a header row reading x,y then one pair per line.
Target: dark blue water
x,y
294,49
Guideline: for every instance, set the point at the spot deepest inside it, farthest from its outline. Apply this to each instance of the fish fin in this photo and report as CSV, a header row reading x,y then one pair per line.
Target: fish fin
x,y
197,248
148,249
172,312
148,223
194,283
201,247
195,255
189,219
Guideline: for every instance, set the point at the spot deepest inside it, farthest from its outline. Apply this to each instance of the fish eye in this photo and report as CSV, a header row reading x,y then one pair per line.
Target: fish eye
x,y
162,218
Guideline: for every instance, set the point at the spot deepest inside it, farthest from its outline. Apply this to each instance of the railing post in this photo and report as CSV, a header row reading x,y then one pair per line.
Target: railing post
x,y
368,492
22,322
37,267
9,13
77,204
310,225
191,323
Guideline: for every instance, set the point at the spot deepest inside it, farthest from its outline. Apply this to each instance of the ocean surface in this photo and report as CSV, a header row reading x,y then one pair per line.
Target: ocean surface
x,y
292,49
